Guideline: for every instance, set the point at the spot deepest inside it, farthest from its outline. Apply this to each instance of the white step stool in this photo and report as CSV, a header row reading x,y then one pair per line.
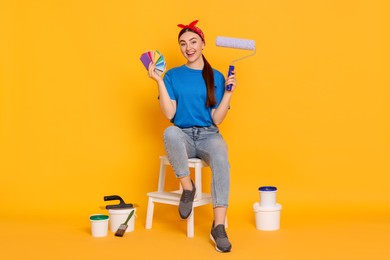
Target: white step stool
x,y
173,197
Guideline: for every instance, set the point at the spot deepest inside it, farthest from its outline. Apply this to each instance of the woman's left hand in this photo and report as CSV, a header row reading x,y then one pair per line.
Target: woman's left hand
x,y
231,80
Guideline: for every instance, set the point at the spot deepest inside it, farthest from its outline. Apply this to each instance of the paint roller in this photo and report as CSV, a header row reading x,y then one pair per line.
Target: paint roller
x,y
236,43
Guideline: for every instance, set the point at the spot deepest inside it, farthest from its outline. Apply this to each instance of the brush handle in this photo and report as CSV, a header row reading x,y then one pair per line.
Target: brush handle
x,y
230,72
129,217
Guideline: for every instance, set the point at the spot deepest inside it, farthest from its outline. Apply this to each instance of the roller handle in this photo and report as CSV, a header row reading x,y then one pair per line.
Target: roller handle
x,y
230,72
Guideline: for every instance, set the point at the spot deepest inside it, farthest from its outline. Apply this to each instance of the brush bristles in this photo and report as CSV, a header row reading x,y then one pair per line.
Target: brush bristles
x,y
121,230
235,43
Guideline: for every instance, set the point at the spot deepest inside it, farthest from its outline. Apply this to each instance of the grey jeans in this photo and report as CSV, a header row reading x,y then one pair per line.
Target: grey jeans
x,y
205,143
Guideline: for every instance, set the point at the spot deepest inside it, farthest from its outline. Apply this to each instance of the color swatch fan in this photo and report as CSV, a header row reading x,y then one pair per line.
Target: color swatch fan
x,y
156,58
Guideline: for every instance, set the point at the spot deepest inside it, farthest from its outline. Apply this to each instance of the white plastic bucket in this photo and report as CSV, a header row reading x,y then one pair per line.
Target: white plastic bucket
x,y
267,218
99,225
119,216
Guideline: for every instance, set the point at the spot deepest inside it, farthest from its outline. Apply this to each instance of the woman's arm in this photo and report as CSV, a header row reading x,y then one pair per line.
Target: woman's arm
x,y
167,106
221,111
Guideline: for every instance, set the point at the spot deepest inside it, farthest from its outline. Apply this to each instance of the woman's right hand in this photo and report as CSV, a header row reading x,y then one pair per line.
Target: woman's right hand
x,y
152,72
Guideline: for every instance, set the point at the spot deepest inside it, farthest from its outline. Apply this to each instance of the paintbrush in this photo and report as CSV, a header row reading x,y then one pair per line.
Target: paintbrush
x,y
122,228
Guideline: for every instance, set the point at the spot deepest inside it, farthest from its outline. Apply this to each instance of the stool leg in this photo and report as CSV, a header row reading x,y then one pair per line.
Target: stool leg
x,y
190,224
149,214
161,177
198,180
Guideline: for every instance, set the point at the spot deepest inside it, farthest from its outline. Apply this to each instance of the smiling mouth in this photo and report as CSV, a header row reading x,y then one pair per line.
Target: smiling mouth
x,y
190,53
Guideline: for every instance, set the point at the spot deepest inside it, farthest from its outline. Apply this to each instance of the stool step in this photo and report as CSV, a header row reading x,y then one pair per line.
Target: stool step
x,y
175,196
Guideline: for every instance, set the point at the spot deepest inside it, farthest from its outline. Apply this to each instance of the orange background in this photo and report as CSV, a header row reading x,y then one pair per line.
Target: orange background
x,y
79,118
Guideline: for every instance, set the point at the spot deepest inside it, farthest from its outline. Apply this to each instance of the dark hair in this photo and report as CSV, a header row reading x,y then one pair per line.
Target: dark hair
x,y
208,75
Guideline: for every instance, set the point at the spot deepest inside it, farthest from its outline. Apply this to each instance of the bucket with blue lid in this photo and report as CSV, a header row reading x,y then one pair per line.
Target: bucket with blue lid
x,y
267,196
267,211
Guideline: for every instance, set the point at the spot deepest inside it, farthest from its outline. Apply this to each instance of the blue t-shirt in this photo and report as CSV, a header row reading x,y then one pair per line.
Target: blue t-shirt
x,y
187,87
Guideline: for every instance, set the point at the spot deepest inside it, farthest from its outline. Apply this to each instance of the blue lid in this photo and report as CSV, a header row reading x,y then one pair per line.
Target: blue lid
x,y
267,188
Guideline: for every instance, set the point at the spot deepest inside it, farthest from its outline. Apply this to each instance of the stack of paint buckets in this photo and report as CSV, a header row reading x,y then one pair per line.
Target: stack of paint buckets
x,y
267,211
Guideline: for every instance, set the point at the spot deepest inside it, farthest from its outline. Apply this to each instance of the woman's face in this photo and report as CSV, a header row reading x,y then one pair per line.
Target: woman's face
x,y
191,46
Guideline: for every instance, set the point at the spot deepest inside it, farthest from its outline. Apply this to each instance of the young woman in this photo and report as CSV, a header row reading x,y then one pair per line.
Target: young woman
x,y
194,98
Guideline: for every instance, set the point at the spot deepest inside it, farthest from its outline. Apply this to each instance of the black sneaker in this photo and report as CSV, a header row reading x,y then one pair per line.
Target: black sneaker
x,y
186,200
219,237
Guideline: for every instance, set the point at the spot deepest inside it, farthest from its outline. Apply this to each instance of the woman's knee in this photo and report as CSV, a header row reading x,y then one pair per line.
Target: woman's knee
x,y
171,133
220,160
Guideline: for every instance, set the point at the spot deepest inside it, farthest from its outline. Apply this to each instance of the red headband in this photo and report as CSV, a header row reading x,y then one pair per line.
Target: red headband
x,y
192,27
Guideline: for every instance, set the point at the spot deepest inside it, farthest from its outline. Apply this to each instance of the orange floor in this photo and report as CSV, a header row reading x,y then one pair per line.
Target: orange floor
x,y
313,234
